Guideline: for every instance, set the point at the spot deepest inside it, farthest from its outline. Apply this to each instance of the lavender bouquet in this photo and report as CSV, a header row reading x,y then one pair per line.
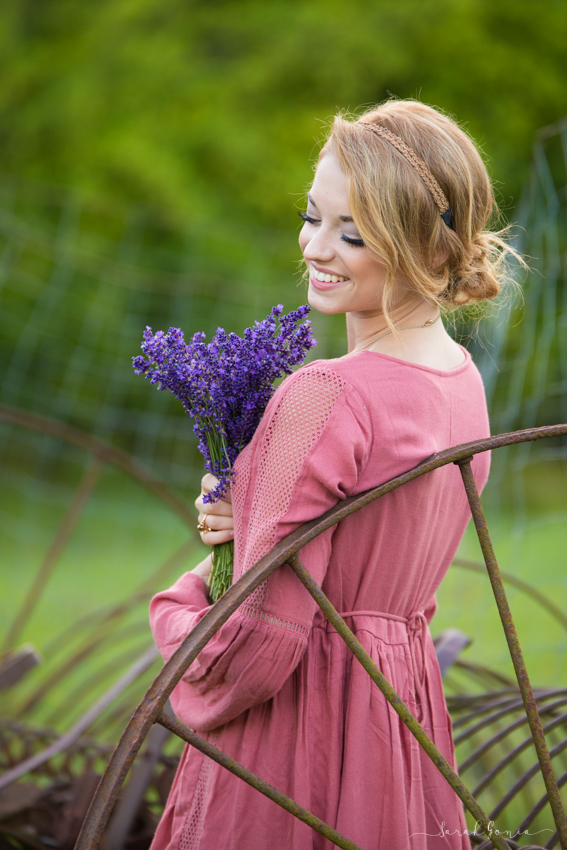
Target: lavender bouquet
x,y
225,386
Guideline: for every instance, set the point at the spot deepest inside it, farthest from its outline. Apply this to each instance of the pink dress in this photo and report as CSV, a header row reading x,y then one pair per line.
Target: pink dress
x,y
277,689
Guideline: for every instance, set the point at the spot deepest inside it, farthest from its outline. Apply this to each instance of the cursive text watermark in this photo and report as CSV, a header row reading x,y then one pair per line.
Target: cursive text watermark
x,y
444,832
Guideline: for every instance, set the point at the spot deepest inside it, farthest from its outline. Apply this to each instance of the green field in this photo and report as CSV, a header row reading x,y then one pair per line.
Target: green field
x,y
125,534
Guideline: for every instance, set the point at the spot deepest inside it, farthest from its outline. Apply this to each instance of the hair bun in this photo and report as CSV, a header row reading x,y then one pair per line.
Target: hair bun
x,y
477,274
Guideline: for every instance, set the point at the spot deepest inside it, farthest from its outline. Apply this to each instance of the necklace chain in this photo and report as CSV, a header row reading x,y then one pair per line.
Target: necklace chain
x,y
426,324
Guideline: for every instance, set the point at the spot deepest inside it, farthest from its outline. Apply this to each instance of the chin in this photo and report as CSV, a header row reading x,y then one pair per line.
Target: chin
x,y
322,303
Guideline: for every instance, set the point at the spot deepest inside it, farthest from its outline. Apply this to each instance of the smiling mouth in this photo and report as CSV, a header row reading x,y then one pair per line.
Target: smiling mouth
x,y
327,278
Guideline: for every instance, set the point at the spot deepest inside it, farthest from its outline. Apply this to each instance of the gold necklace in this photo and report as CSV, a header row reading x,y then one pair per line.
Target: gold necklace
x,y
426,324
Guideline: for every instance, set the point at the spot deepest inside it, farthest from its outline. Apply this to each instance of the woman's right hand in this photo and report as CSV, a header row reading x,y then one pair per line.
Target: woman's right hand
x,y
218,515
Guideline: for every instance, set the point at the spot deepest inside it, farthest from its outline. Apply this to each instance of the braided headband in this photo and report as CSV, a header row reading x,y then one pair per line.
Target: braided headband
x,y
421,168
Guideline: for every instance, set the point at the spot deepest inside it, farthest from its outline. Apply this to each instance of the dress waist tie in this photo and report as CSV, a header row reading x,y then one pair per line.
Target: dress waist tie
x,y
392,629
417,629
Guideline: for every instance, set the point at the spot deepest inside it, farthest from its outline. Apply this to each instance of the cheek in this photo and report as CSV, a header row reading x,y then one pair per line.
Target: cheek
x,y
369,269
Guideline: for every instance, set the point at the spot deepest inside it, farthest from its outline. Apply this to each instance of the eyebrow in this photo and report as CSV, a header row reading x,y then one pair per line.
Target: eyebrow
x,y
342,217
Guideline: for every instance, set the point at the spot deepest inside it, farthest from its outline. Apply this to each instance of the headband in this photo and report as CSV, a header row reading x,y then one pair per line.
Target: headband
x,y
418,164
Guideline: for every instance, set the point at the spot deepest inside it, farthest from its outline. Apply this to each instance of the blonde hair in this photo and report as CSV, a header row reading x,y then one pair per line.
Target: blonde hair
x,y
398,218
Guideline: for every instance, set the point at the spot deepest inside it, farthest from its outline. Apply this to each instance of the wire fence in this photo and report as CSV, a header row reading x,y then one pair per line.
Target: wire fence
x,y
80,278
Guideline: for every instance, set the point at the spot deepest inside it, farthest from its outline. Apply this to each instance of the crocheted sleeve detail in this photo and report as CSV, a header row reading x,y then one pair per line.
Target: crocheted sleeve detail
x,y
306,455
294,425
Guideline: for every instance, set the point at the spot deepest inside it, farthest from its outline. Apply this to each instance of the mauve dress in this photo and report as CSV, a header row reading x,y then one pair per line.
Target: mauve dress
x,y
277,688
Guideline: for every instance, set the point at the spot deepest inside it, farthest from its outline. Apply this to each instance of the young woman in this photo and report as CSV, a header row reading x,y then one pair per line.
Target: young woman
x,y
395,232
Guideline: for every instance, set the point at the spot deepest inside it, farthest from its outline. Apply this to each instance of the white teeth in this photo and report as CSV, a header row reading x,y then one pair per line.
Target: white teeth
x,y
327,278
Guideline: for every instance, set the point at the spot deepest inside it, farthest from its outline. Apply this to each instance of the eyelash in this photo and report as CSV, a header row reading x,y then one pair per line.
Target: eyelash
x,y
357,243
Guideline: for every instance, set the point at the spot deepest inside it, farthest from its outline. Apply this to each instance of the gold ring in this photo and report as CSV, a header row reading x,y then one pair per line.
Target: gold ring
x,y
202,526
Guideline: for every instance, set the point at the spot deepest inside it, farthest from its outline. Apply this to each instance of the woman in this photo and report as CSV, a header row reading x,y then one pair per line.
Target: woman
x,y
394,231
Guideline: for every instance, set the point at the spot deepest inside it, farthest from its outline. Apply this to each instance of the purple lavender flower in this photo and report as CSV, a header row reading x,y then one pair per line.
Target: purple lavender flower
x,y
226,384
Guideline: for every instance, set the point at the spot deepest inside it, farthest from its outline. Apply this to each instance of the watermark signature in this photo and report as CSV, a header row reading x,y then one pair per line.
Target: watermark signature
x,y
444,832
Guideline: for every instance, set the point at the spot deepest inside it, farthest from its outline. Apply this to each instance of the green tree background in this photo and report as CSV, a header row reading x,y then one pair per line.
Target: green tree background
x,y
212,110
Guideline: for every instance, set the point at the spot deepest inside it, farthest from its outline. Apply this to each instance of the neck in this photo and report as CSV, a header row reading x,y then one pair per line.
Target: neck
x,y
364,328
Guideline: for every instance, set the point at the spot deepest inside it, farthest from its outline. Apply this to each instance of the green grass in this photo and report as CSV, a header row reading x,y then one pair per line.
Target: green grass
x,y
123,537
125,533
536,553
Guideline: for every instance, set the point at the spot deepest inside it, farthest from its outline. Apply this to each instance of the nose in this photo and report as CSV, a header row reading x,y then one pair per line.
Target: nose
x,y
317,245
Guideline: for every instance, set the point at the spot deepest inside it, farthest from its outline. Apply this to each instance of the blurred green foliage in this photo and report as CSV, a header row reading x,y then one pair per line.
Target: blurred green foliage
x,y
211,110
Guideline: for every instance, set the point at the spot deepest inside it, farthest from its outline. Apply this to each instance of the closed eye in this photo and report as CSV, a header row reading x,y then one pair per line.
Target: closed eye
x,y
308,218
350,240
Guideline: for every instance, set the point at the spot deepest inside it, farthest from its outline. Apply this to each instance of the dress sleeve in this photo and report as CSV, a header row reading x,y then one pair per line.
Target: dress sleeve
x,y
307,454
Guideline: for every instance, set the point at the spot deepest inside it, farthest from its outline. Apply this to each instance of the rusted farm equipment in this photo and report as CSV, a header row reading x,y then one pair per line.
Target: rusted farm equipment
x,y
65,769
508,701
